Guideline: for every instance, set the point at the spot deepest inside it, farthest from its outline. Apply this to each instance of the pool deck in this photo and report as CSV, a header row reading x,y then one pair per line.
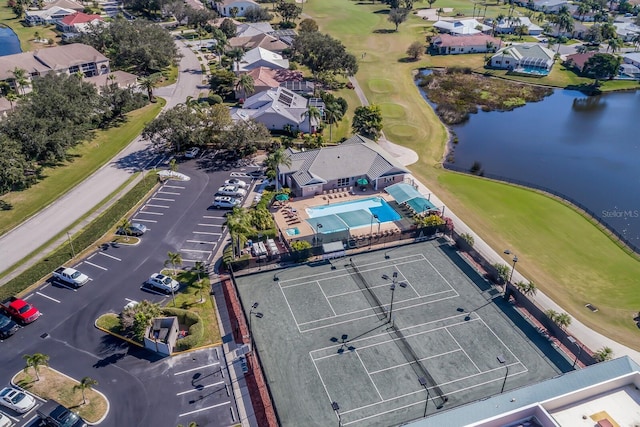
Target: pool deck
x,y
293,214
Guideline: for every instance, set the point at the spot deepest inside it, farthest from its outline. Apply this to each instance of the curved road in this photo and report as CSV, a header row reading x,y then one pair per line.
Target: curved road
x,y
61,214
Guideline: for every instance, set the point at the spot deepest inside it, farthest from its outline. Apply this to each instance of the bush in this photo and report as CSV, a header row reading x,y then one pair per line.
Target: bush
x,y
301,250
192,321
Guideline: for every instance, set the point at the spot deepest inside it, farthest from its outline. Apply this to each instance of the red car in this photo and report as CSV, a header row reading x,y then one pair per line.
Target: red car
x,y
20,310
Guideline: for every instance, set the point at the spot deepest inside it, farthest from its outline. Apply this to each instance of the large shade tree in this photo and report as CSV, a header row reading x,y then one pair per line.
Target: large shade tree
x,y
367,120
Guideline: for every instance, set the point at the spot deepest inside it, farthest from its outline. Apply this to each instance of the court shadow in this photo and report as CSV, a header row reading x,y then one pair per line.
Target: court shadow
x,y
483,284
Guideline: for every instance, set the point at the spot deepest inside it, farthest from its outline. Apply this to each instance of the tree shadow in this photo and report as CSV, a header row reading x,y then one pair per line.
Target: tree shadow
x,y
384,31
138,160
382,11
408,59
109,360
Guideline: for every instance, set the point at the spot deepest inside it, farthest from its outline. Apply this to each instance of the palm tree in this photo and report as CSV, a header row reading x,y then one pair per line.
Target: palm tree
x,y
35,361
603,354
20,79
615,44
148,83
236,54
200,269
237,223
174,259
332,114
245,84
315,116
562,319
86,383
583,9
11,97
274,160
527,289
636,42
125,224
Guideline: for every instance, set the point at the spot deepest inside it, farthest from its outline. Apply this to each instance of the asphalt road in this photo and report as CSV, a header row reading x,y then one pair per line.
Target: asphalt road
x,y
143,389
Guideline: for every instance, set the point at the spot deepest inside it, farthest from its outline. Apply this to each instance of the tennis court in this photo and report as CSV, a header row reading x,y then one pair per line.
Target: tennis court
x,y
384,335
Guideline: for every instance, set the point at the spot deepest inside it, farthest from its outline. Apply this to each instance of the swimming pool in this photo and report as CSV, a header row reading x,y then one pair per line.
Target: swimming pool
x,y
292,231
372,205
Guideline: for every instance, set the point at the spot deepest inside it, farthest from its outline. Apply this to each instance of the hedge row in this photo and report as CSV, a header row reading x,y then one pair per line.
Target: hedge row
x,y
81,241
193,321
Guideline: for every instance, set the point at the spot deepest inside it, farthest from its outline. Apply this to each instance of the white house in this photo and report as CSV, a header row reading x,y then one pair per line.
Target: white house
x,y
446,44
547,6
250,29
508,26
526,59
77,23
462,26
261,57
46,16
627,31
632,58
277,109
227,7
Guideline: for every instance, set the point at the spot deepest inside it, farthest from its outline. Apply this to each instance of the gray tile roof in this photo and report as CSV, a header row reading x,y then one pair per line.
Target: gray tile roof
x,y
357,156
530,395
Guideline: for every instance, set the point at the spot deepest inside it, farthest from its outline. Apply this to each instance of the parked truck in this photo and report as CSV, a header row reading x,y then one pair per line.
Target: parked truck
x,y
70,276
19,310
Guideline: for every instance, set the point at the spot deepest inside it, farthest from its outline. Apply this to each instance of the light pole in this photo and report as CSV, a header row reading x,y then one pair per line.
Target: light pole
x,y
423,383
318,227
573,341
371,229
393,291
502,361
73,252
336,409
515,260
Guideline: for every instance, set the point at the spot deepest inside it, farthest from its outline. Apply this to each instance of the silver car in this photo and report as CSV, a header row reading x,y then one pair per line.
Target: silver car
x,y
163,283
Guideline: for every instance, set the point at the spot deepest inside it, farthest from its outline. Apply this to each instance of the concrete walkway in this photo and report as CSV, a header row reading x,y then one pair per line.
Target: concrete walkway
x,y
59,216
592,339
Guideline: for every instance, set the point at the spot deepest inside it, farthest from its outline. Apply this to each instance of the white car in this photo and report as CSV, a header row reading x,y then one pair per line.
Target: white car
x,y
17,400
232,190
5,421
235,181
225,202
163,283
192,153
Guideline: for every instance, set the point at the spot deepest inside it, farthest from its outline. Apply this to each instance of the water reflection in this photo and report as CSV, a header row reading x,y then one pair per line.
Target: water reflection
x,y
589,103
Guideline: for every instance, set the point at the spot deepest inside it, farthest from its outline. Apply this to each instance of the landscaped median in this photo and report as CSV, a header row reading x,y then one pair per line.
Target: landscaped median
x,y
90,404
194,308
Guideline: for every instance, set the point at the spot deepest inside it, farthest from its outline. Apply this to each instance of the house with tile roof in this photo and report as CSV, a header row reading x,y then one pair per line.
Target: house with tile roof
x,y
263,79
524,59
250,29
278,109
77,22
447,44
577,60
314,171
264,41
260,57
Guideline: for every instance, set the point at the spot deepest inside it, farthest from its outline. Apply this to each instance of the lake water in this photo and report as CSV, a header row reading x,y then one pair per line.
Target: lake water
x,y
9,43
585,148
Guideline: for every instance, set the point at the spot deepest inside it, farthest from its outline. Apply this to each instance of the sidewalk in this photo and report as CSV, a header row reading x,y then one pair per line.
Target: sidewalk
x,y
592,339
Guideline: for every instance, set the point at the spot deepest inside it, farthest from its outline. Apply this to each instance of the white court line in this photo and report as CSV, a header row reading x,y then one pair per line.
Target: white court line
x,y
405,280
149,213
109,256
321,380
195,369
201,241
48,297
463,350
169,192
290,310
325,297
409,363
501,342
370,379
145,220
195,250
387,284
439,274
95,265
162,199
199,389
207,232
157,206
205,409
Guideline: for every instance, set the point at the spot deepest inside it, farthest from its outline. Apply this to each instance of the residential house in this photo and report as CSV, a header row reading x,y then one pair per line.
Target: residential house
x,y
627,31
509,26
264,41
66,4
462,26
579,31
526,59
263,79
77,22
260,57
314,171
46,16
227,7
250,29
286,36
577,60
629,71
64,59
632,58
121,79
278,109
546,6
446,44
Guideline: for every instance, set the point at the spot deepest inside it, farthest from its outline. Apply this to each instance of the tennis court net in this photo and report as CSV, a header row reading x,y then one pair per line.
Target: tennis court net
x,y
417,366
369,294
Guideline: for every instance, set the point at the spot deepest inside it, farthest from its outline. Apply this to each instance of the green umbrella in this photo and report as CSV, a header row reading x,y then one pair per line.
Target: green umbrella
x,y
282,197
362,181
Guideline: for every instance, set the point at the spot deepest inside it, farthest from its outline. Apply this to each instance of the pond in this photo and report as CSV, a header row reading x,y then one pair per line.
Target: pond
x,y
9,43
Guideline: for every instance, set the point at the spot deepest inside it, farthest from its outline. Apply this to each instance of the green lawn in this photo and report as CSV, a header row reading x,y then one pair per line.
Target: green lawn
x,y
87,158
24,33
562,252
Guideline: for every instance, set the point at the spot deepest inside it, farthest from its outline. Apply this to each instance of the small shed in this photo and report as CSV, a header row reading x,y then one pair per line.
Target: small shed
x,y
333,250
161,336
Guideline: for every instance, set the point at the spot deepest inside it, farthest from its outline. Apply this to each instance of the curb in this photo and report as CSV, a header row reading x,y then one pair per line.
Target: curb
x,y
130,341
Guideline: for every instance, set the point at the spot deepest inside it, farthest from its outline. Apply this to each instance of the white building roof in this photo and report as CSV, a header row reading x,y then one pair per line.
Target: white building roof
x,y
46,14
274,60
251,29
279,101
461,26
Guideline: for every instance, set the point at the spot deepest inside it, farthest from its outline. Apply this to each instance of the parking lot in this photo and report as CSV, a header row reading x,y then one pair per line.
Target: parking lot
x,y
167,392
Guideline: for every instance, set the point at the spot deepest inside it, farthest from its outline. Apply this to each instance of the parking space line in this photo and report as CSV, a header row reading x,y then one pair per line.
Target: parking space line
x,y
174,186
95,265
164,200
30,420
207,232
195,369
145,220
110,256
153,291
204,242
199,388
59,283
157,206
150,213
169,192
210,225
129,299
196,250
48,297
204,409
213,217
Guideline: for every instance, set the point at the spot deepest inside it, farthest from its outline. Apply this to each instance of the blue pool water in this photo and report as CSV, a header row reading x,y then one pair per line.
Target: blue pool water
x,y
292,231
375,205
533,70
